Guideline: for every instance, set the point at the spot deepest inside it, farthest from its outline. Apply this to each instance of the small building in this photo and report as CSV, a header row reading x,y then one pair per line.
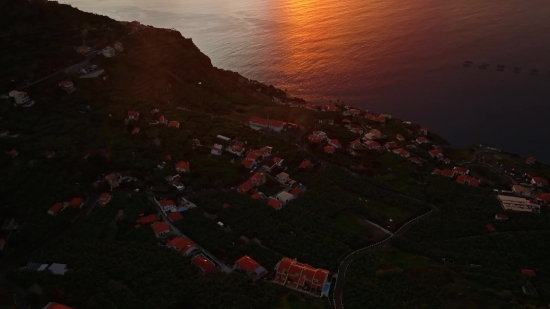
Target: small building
x,y
133,115
285,197
175,216
262,123
20,97
67,86
296,192
518,204
416,161
135,130
521,190
163,120
301,277
491,228
402,152
283,177
174,124
424,130
461,170
531,160
108,52
183,245
83,50
422,140
335,143
355,145
236,150
216,149
391,145
204,264
105,198
501,217
251,267
167,205
272,163
13,153
76,202
373,145
147,219
56,208
538,181
329,149
161,228
183,167
276,204
436,154
400,137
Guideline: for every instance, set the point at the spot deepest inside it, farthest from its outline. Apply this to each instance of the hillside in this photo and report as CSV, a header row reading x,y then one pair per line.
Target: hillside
x,y
153,135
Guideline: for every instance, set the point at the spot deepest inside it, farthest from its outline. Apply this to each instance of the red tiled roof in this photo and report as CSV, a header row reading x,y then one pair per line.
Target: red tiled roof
x,y
256,196
204,264
183,165
248,264
161,118
183,245
167,203
540,180
104,196
252,156
305,164
369,116
490,228
335,143
373,144
175,216
462,178
56,208
174,123
448,173
237,148
265,122
329,149
76,202
416,160
132,113
161,227
65,83
147,219
345,120
245,187
400,137
248,162
257,177
391,145
544,196
13,152
275,203
421,139
460,170
437,172
380,119
528,272
296,191
135,130
473,182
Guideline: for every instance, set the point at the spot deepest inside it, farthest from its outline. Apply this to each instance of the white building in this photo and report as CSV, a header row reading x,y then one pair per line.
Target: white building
x,y
108,52
285,197
21,98
216,149
518,204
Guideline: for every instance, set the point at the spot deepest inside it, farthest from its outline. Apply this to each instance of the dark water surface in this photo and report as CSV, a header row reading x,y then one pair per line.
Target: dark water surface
x,y
402,57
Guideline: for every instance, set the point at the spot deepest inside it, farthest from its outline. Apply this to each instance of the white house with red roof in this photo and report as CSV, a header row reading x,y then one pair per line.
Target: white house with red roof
x,y
236,150
67,86
301,277
316,139
183,245
461,170
370,116
161,228
167,205
306,164
262,123
335,143
400,137
531,160
402,152
133,115
216,149
380,119
353,112
182,167
255,180
436,154
416,161
329,108
355,144
105,198
76,202
422,140
391,145
447,160
373,145
465,179
276,204
175,216
163,120
251,267
539,181
204,264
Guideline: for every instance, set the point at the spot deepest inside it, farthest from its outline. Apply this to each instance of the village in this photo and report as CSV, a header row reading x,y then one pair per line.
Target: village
x,y
307,173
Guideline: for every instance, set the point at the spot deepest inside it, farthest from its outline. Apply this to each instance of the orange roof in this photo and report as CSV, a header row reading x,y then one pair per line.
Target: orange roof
x,y
252,156
248,162
275,203
237,148
461,170
256,196
181,244
175,216
182,165
544,196
204,264
147,219
540,180
329,149
161,227
528,272
296,191
335,142
373,144
65,83
245,187
305,164
462,178
248,264
345,120
76,202
56,208
132,113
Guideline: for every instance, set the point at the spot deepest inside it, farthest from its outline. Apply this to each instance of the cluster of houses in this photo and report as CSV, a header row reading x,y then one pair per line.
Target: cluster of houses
x,y
75,203
525,198
302,277
462,175
133,115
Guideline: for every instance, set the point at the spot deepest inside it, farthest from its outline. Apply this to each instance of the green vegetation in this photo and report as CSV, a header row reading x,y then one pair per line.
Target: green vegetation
x,y
350,222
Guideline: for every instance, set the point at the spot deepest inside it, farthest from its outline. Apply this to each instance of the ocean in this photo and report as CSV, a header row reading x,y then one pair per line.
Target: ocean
x,y
402,57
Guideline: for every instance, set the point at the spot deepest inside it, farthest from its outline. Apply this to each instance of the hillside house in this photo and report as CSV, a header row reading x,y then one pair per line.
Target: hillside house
x,y
163,120
175,216
518,204
538,181
436,154
216,149
285,197
355,144
400,137
183,245
167,205
133,115
76,202
161,228
20,97
67,86
402,152
424,130
335,143
465,179
269,124
248,163
135,130
105,198
182,167
461,170
236,150
204,264
422,140
329,108
83,50
416,161
276,204
373,145
329,149
521,190
531,160
370,116
543,197
56,208
312,107
113,180
250,267
272,163
306,165
314,139
174,124
147,219
391,145
301,277
108,52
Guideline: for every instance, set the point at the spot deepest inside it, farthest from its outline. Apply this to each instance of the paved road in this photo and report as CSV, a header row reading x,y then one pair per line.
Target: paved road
x,y
342,269
479,160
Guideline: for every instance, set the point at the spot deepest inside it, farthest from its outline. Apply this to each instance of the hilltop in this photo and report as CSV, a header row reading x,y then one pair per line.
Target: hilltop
x,y
137,145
